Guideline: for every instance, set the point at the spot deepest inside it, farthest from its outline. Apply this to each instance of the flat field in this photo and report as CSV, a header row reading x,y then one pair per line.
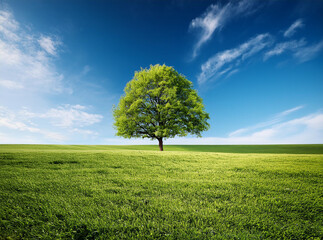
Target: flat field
x,y
137,192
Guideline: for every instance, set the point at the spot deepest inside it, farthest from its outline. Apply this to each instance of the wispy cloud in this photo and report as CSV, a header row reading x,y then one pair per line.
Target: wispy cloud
x,y
10,120
28,70
274,120
222,62
8,26
84,132
49,45
26,58
307,53
215,17
292,29
280,48
299,49
10,84
65,122
289,111
66,116
307,129
226,63
71,116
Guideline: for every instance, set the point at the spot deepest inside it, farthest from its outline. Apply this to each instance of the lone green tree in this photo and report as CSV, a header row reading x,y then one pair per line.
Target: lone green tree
x,y
159,103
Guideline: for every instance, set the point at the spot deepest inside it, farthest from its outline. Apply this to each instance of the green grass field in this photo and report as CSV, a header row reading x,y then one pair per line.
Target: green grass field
x,y
137,192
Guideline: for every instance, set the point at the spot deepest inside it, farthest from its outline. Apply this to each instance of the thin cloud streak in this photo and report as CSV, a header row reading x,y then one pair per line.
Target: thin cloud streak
x,y
65,122
226,63
289,111
292,29
280,48
308,53
66,116
276,119
215,18
9,120
216,66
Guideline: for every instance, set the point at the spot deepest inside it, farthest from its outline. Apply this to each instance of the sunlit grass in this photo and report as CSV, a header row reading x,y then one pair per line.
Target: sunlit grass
x,y
99,192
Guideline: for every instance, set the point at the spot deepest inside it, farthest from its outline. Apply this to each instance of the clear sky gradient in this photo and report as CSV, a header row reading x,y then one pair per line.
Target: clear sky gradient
x,y
258,65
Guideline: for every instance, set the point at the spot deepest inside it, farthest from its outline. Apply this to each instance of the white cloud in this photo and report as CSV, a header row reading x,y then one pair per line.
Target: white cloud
x,y
71,116
84,132
292,29
225,63
280,48
66,116
79,107
65,123
234,71
229,59
8,26
28,74
48,44
12,121
8,120
10,84
274,120
307,129
215,17
289,111
307,53
25,60
9,139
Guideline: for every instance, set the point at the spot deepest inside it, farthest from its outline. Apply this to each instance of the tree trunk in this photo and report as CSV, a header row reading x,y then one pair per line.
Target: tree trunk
x,y
160,140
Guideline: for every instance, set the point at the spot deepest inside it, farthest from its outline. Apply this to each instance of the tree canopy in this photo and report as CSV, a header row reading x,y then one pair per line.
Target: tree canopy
x,y
160,103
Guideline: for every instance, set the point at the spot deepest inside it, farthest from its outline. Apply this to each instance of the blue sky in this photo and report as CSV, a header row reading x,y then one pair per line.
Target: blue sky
x,y
258,65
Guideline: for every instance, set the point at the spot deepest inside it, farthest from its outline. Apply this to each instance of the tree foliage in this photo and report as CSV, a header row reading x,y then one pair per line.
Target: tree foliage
x,y
160,103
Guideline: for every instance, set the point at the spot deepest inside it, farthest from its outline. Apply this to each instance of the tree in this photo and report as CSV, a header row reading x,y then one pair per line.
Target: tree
x,y
160,103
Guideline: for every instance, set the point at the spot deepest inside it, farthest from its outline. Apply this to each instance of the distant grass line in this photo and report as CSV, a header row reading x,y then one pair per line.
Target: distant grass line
x,y
288,149
278,149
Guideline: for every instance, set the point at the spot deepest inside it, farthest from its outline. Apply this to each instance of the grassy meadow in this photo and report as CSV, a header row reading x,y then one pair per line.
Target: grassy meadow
x,y
137,192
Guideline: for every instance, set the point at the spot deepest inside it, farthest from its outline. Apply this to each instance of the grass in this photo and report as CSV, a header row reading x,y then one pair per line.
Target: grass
x,y
118,192
293,149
